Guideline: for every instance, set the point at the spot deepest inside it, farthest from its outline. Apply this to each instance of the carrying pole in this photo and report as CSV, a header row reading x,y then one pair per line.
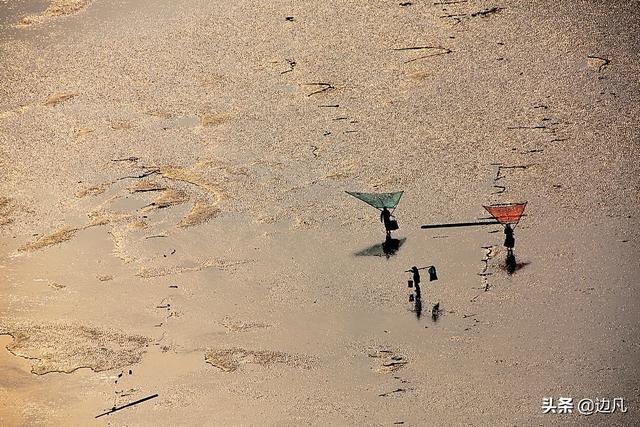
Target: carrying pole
x,y
459,224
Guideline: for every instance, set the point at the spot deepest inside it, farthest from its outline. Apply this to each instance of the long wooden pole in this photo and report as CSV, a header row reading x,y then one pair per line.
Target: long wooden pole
x,y
114,409
459,224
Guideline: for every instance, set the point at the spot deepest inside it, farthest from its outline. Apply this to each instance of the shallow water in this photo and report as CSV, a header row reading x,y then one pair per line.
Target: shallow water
x,y
261,311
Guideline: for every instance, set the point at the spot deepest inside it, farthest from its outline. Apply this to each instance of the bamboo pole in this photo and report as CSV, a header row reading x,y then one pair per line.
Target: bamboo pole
x,y
459,224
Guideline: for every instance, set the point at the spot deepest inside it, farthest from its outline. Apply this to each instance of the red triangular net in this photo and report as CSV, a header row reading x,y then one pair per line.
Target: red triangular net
x,y
509,213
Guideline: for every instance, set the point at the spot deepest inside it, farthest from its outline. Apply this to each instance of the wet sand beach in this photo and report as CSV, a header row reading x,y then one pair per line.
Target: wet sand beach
x,y
174,222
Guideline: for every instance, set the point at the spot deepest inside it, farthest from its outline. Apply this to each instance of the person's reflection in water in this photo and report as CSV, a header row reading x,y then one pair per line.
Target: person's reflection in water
x,y
509,243
435,312
511,261
387,248
418,301
390,246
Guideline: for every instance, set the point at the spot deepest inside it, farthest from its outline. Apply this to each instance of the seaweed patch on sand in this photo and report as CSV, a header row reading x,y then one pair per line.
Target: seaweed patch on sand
x,y
144,186
65,348
191,177
242,326
66,233
148,272
229,360
91,191
59,236
201,213
213,119
170,197
57,98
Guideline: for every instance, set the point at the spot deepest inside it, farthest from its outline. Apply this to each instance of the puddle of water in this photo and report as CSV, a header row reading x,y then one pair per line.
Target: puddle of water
x,y
14,370
291,89
132,203
13,10
15,375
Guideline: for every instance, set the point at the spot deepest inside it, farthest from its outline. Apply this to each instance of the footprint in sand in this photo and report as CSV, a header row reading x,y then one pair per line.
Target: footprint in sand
x,y
388,360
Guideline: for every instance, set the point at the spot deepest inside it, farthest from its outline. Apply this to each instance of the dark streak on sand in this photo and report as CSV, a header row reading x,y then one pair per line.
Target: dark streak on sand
x,y
115,409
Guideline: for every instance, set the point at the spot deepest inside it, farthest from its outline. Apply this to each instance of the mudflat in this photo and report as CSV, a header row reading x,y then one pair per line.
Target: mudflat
x,y
175,229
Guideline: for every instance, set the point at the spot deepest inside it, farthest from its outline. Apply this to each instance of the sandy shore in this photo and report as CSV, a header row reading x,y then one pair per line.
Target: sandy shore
x,y
173,217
